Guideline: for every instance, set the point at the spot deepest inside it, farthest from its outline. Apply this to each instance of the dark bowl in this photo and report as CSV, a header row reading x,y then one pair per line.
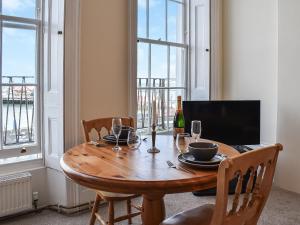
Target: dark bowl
x,y
203,151
125,131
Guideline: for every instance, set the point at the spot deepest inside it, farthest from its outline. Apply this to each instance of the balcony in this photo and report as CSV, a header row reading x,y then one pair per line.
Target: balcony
x,y
165,93
18,110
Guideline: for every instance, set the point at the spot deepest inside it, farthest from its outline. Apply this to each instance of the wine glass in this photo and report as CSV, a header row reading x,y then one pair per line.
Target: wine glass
x,y
182,142
196,129
116,129
133,140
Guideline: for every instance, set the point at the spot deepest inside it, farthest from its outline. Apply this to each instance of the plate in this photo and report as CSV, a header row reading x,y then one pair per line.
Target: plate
x,y
196,165
190,158
112,140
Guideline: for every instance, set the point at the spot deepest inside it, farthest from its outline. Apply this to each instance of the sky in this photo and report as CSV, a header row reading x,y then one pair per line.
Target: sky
x,y
18,45
157,31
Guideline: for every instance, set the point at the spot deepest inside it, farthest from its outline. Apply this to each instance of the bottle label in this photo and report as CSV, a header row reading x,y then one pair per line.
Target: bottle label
x,y
177,131
179,107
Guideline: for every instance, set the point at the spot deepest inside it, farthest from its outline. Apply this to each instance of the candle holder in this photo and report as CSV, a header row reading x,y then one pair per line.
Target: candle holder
x,y
153,149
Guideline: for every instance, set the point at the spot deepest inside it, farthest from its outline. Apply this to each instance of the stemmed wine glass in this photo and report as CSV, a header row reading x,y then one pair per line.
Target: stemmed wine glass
x,y
134,139
116,129
182,142
196,129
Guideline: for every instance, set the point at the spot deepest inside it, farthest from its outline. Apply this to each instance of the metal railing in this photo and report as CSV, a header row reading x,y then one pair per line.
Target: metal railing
x,y
159,89
18,109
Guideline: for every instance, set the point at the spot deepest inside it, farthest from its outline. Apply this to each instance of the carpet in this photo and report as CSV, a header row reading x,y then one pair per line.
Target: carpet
x,y
283,208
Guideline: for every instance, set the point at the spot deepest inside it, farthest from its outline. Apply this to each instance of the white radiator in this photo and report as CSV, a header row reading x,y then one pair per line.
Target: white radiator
x,y
15,193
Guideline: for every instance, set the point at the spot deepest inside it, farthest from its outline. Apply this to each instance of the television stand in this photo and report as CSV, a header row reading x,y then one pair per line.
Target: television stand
x,y
242,148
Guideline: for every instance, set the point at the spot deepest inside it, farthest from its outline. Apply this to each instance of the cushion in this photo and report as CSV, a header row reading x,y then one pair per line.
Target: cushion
x,y
198,216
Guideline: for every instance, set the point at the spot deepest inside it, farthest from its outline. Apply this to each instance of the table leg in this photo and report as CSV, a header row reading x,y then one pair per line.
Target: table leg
x,y
153,209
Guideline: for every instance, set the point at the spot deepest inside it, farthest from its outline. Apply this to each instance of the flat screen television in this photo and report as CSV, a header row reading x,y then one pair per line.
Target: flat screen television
x,y
229,122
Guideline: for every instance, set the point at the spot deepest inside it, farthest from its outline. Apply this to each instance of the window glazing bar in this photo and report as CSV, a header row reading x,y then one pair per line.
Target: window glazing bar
x,y
18,84
147,18
168,88
20,20
158,42
166,19
19,26
149,76
182,3
161,88
1,97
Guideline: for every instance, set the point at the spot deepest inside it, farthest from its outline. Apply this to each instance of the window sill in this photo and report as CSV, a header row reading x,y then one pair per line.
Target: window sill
x,y
19,159
21,163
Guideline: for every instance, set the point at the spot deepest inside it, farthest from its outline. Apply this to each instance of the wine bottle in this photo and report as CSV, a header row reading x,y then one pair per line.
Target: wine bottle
x,y
179,123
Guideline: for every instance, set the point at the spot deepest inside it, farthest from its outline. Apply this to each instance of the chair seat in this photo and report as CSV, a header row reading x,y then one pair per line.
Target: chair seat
x,y
198,216
116,196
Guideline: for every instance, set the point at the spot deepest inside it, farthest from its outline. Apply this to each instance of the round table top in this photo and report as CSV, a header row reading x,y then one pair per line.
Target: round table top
x,y
136,171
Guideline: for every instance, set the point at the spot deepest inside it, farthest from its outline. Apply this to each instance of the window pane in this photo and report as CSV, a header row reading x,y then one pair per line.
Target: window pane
x,y
142,18
18,114
162,106
159,61
175,22
159,74
19,55
18,97
142,60
157,19
143,99
19,8
177,67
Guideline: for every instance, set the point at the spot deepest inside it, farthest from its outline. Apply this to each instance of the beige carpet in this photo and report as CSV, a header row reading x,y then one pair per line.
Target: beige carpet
x,y
283,208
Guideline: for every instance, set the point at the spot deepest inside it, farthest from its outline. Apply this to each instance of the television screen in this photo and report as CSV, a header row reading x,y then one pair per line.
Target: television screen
x,y
229,122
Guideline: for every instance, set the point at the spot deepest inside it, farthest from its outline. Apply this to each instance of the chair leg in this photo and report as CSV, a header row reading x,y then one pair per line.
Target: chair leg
x,y
95,209
129,211
111,212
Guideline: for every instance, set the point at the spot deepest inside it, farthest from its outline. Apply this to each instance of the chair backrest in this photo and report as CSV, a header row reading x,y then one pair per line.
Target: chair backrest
x,y
99,124
245,209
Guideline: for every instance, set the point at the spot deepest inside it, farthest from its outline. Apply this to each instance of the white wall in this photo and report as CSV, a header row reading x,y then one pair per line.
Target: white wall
x,y
57,188
250,57
288,175
39,184
261,61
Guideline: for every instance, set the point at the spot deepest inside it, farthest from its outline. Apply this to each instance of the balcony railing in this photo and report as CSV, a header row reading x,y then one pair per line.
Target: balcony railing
x,y
159,89
18,110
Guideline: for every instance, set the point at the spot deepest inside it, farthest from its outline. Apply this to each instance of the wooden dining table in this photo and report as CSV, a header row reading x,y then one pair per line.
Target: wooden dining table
x,y
139,172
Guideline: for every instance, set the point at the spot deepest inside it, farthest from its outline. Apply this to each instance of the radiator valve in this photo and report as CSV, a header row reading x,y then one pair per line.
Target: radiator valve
x,y
35,198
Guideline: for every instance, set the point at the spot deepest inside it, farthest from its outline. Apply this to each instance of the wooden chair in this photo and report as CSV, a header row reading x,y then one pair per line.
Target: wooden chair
x,y
98,125
246,209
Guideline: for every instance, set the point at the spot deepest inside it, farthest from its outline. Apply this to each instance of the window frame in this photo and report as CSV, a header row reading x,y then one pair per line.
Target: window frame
x,y
36,24
216,53
134,40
